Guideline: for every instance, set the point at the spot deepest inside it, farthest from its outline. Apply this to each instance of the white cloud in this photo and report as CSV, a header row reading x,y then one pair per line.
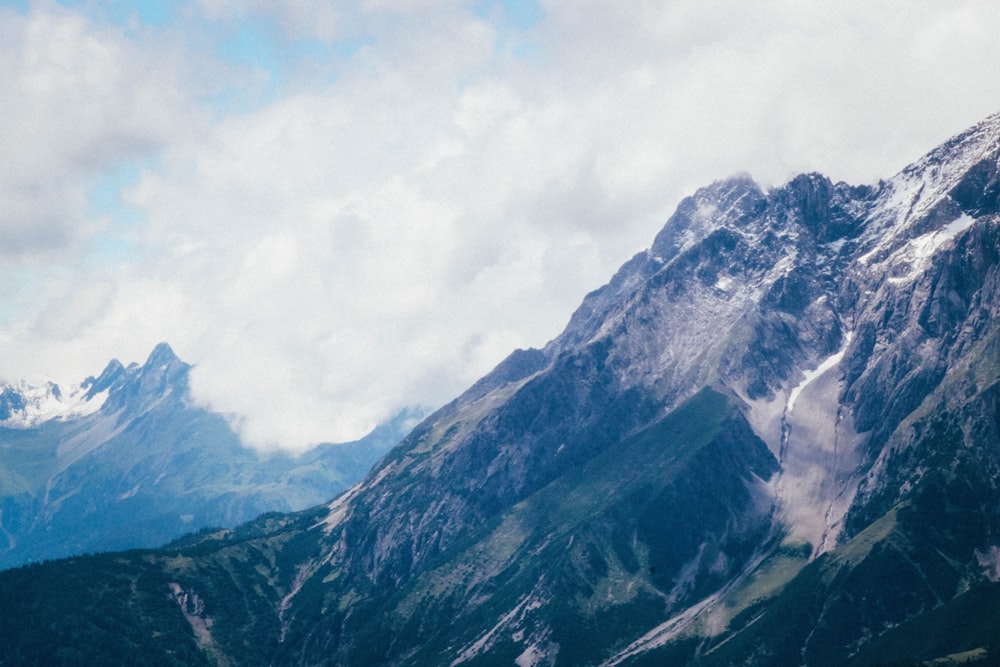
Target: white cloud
x,y
356,243
77,100
481,107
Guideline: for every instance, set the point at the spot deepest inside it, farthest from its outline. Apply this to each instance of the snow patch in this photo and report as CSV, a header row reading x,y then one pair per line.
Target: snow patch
x,y
810,376
834,247
43,401
724,283
915,257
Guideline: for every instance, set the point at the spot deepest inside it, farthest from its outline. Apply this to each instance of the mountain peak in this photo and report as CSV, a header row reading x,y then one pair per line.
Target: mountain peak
x,y
970,146
161,354
963,171
27,403
713,206
944,191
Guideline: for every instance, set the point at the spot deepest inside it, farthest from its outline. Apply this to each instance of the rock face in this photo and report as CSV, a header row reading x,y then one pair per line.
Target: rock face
x,y
773,438
125,460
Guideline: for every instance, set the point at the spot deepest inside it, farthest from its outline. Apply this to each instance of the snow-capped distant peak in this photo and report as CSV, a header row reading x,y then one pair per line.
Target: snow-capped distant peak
x,y
30,403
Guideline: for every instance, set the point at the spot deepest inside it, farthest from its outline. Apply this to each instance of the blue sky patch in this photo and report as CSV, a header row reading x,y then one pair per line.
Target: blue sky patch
x,y
251,45
20,6
520,15
512,20
114,245
106,196
346,48
136,13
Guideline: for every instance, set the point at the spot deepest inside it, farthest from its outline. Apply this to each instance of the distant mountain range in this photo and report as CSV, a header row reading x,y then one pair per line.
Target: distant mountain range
x,y
771,439
126,460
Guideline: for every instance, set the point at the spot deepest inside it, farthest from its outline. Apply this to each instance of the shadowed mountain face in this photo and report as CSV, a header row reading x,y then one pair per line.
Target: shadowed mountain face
x,y
773,438
126,460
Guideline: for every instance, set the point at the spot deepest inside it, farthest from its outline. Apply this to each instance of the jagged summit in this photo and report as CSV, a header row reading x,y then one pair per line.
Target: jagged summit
x,y
111,373
711,207
958,179
162,354
128,460
960,154
27,403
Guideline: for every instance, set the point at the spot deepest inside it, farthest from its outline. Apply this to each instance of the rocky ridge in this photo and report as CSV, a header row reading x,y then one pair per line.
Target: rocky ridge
x,y
773,438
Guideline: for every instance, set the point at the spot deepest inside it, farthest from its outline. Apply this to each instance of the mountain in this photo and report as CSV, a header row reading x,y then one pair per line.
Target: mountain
x,y
773,438
126,460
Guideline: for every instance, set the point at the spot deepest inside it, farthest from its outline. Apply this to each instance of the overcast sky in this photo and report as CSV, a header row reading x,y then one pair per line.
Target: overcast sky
x,y
339,209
